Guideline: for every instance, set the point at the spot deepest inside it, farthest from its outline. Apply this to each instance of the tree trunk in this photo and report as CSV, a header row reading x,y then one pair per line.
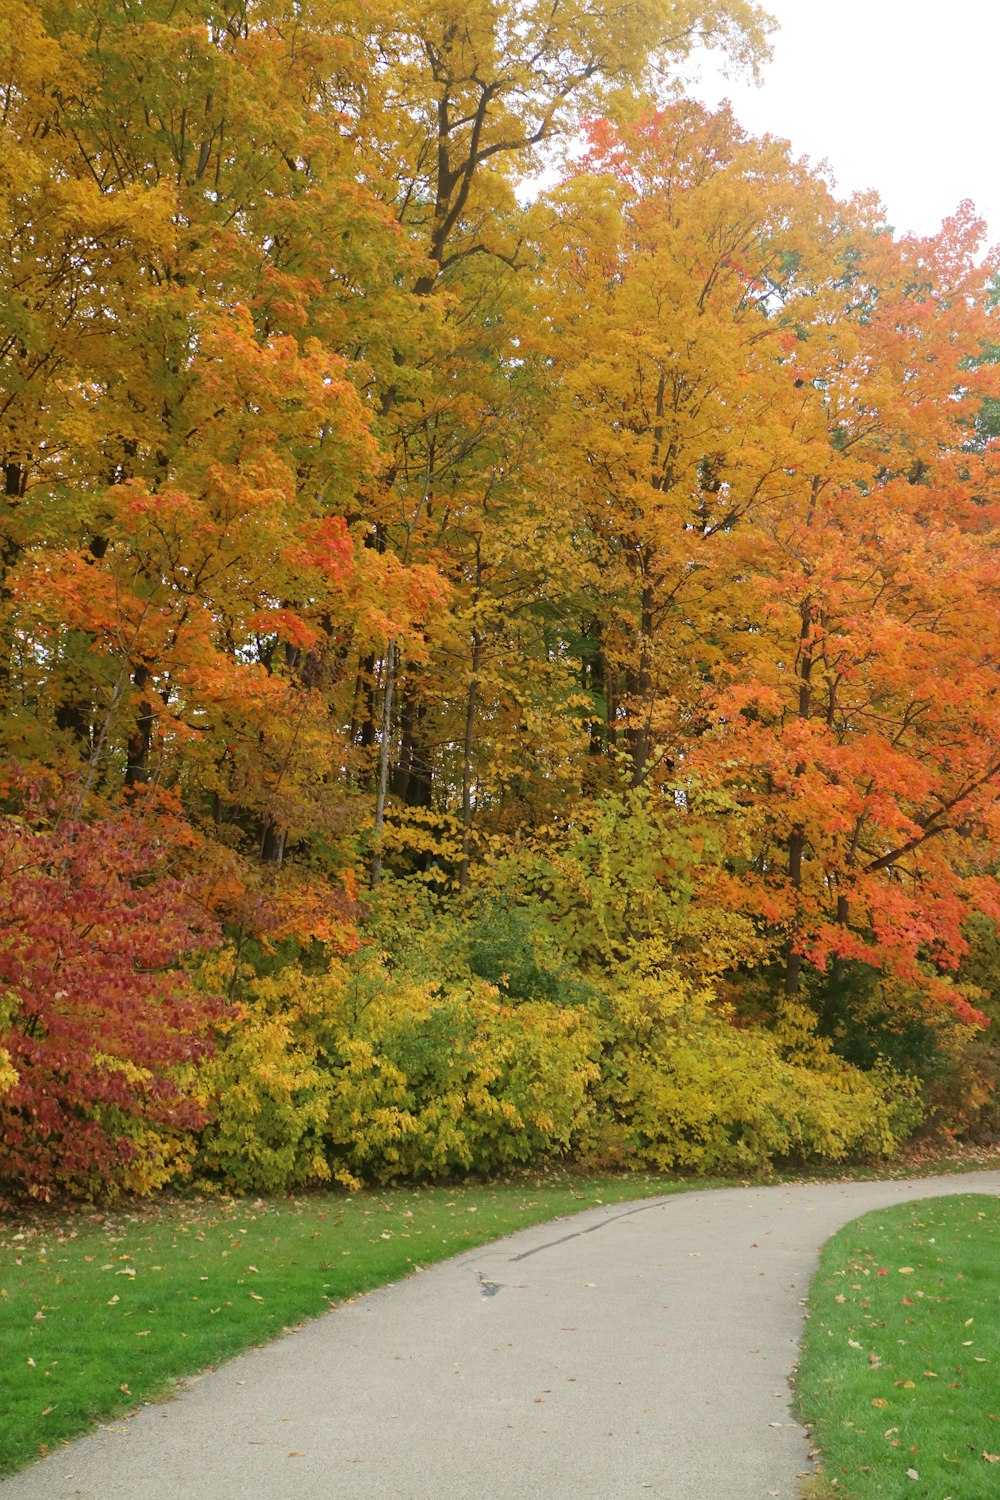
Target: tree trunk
x,y
467,742
272,845
383,763
364,733
639,736
409,718
140,740
793,959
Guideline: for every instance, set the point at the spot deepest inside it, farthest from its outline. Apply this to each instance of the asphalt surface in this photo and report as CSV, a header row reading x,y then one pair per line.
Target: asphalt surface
x,y
637,1349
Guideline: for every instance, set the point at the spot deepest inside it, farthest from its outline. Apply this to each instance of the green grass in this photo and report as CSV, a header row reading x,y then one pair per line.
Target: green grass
x,y
102,1310
900,1371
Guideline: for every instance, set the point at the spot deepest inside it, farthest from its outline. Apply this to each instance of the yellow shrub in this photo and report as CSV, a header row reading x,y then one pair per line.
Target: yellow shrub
x,y
8,1073
361,1074
153,1154
430,1083
269,1099
687,1089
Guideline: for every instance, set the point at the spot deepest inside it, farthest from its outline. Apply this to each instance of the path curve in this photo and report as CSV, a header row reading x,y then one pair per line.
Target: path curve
x,y
635,1349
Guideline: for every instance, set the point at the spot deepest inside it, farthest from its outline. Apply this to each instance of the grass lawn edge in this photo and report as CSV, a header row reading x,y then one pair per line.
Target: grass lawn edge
x,y
558,1194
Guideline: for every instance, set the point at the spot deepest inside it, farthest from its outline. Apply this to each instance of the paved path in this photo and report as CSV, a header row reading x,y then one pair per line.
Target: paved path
x,y
638,1349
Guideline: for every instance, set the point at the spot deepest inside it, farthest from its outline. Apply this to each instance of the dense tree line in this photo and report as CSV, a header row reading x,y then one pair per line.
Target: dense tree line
x,y
483,671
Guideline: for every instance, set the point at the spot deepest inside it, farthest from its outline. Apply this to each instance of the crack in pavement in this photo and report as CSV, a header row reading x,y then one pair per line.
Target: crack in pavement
x,y
577,1233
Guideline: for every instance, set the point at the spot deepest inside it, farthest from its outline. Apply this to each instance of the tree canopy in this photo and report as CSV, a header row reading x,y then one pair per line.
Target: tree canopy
x,y
411,580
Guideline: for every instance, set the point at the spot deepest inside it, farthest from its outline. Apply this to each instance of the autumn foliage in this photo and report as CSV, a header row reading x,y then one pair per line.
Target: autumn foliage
x,y
484,672
103,1026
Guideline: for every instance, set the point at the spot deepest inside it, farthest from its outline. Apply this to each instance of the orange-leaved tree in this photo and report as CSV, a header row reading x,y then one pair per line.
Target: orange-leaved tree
x,y
861,714
769,411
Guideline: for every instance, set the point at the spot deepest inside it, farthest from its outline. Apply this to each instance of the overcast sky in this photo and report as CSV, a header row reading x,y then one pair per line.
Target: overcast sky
x,y
897,95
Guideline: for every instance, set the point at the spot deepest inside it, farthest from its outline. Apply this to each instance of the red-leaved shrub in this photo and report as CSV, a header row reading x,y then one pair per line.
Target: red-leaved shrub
x,y
100,1021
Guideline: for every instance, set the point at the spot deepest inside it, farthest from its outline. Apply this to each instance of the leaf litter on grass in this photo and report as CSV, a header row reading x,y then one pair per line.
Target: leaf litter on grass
x,y
898,1378
105,1309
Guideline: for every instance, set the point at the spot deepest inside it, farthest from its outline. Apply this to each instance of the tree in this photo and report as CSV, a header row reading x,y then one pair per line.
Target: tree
x,y
864,699
482,92
183,437
773,408
684,260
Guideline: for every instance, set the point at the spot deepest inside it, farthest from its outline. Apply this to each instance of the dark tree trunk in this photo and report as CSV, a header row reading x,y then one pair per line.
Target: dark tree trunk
x,y
638,736
793,959
413,782
140,740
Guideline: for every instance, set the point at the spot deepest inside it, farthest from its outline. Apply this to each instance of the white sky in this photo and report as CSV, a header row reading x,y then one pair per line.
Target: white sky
x,y
896,95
